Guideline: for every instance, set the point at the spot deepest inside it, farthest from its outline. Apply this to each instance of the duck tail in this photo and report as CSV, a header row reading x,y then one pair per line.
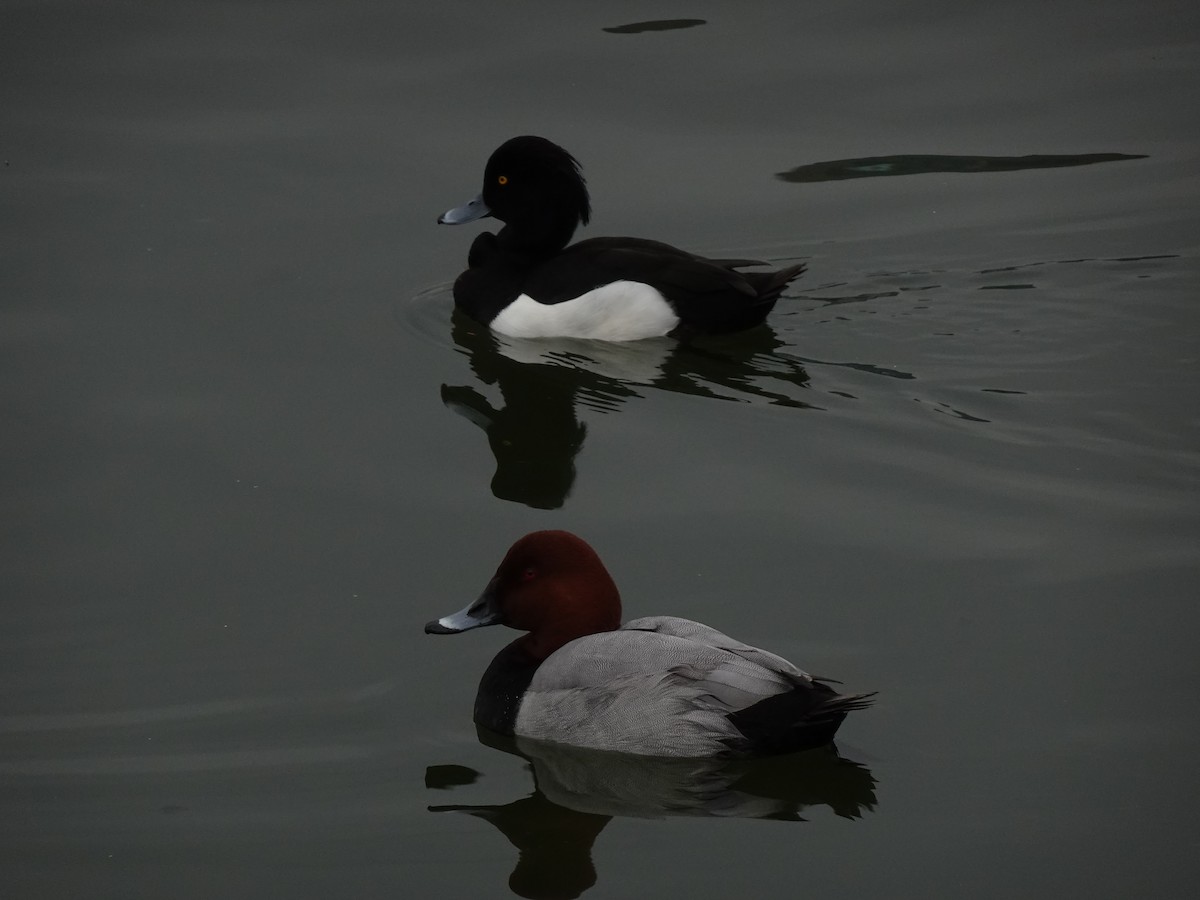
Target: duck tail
x,y
768,286
780,279
845,703
803,718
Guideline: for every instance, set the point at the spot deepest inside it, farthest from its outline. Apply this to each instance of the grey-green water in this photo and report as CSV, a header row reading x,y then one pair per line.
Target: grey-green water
x,y
246,452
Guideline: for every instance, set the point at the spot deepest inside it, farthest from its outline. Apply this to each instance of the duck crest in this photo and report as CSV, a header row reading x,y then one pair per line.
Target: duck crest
x,y
538,190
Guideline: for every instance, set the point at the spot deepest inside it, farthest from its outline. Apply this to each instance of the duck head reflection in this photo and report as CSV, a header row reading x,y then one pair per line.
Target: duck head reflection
x,y
577,792
535,432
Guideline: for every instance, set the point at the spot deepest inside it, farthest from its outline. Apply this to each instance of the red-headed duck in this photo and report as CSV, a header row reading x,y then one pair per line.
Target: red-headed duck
x,y
656,686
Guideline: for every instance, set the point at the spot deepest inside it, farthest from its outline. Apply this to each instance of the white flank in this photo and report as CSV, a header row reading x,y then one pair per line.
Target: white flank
x,y
621,311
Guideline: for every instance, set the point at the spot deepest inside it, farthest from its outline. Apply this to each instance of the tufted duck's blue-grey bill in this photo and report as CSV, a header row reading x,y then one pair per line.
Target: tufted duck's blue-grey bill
x,y
469,212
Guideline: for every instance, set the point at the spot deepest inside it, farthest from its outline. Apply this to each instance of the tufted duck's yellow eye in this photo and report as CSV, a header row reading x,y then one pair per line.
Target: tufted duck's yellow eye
x,y
503,179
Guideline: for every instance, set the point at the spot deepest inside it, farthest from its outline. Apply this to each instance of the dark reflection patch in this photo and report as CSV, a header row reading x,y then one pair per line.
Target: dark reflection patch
x,y
445,777
655,25
876,166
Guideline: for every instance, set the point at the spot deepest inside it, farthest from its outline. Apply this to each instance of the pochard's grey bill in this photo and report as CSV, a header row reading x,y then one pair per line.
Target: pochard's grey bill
x,y
477,615
476,209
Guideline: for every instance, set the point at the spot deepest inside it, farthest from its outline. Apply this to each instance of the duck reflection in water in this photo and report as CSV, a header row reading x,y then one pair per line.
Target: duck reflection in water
x,y
577,792
535,433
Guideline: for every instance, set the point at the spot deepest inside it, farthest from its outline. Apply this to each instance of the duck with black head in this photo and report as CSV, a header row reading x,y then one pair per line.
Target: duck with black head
x,y
525,281
655,686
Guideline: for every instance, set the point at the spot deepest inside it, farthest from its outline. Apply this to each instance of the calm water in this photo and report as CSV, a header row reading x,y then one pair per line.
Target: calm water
x,y
247,451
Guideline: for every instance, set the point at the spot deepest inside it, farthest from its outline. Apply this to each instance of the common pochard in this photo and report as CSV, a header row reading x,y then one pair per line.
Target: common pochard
x,y
656,686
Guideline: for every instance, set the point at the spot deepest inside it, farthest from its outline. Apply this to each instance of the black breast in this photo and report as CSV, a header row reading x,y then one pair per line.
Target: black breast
x,y
502,687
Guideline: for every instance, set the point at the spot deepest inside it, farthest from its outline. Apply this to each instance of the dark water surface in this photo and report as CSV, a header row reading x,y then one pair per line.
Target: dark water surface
x,y
247,451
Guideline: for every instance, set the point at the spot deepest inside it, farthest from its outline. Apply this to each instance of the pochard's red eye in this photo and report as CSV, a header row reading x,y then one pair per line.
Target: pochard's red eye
x,y
529,575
